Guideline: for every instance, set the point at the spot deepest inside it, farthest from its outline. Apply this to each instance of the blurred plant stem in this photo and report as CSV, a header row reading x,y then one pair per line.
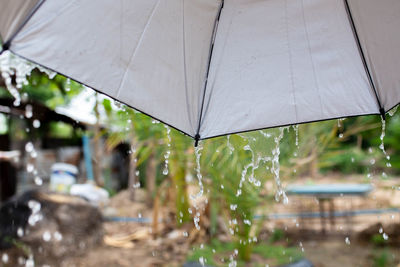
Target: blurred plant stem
x,y
97,166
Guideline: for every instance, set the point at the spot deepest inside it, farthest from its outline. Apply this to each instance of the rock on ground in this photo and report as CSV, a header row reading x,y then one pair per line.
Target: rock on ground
x,y
48,228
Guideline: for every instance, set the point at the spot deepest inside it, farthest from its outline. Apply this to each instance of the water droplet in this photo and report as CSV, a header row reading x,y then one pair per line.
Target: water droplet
x,y
36,124
4,258
301,246
30,262
202,261
385,236
21,261
29,147
57,236
239,192
30,168
20,232
35,215
248,222
46,236
165,171
38,181
28,111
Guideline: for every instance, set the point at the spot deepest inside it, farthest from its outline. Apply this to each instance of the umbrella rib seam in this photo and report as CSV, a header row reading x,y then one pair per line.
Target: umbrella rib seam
x,y
137,48
213,38
290,56
363,58
6,45
185,64
316,83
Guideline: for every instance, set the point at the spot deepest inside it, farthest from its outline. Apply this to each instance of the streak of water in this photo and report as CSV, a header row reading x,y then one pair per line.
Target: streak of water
x,y
253,165
15,68
168,153
68,85
199,176
280,194
229,145
382,145
393,111
296,130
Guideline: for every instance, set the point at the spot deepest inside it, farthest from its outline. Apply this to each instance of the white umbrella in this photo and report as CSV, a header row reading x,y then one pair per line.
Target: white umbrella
x,y
210,68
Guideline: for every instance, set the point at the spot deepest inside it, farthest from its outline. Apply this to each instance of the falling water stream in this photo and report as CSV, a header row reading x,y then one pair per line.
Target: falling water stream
x,y
197,151
296,131
280,194
12,66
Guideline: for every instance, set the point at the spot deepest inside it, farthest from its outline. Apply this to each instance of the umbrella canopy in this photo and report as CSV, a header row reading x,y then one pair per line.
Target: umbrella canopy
x,y
209,67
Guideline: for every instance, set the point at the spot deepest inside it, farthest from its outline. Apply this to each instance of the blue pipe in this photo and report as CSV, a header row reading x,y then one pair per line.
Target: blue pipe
x,y
277,215
88,157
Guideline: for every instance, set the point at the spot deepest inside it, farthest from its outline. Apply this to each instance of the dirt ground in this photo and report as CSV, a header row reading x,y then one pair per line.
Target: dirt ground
x,y
135,244
330,250
334,253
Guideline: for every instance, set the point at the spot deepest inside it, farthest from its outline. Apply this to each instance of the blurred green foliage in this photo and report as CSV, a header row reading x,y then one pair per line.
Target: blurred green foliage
x,y
378,240
217,253
383,258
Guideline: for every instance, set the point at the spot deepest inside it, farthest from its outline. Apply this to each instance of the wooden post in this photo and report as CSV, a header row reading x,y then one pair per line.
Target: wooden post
x,y
97,168
321,214
156,208
132,175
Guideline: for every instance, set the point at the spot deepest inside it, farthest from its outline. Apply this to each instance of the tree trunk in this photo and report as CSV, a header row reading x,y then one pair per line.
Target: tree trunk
x,y
150,178
179,184
314,170
156,210
132,176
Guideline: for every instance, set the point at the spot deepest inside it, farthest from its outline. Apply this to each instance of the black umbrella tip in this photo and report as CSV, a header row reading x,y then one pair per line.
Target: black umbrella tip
x,y
5,47
383,113
196,140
